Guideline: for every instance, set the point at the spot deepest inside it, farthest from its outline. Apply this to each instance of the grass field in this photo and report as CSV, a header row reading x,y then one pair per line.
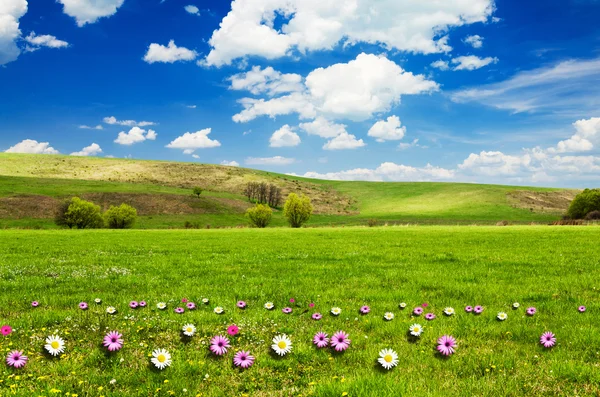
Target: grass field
x,y
553,269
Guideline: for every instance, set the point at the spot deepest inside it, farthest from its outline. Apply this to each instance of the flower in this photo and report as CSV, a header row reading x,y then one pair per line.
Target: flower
x,y
429,316
113,341
233,330
340,341
531,311
219,310
388,358
189,330
449,311
179,310
311,305
424,304
317,316
548,339
133,304
402,305
16,359
6,330
35,303
446,345
55,345
219,345
83,306
184,300
516,305
581,309
269,305
321,340
469,309
161,358
205,301
336,311
389,316
282,345
143,303
111,310
161,305
415,330
98,301
190,305
243,359
241,304
286,310
417,311
502,316
478,309
292,300
365,310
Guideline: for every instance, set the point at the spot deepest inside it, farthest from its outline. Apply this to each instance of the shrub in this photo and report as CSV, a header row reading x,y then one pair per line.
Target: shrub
x,y
121,217
260,216
263,193
297,210
79,214
191,225
584,203
197,191
372,222
593,216
60,218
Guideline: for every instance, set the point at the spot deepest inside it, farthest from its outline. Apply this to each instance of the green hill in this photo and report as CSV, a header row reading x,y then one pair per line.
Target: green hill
x,y
31,186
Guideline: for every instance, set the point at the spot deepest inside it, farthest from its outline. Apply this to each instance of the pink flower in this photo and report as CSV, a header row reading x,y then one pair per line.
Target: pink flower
x,y
446,345
425,304
83,306
469,309
35,303
429,316
16,359
133,304
581,309
233,330
190,305
113,341
184,300
548,339
478,309
241,304
317,316
417,311
292,300
219,345
321,340
179,310
243,359
6,330
340,341
365,310
143,304
287,310
531,311
311,305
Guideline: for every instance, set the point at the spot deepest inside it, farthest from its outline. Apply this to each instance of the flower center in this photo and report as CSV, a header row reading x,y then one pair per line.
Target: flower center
x,y
282,345
188,329
161,358
388,358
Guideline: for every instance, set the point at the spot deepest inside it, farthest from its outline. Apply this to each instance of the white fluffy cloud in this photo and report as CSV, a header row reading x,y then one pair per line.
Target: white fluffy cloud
x,y
267,81
87,127
45,40
32,146
441,65
475,41
586,137
388,171
230,163
495,163
277,160
127,123
472,62
284,137
89,11
389,130
344,141
92,150
135,135
169,54
10,13
191,9
323,128
413,26
191,141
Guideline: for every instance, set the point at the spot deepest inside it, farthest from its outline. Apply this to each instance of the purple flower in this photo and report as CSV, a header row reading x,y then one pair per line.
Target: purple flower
x,y
241,304
143,304
424,304
292,300
219,345
113,341
133,304
548,339
83,306
340,341
311,305
179,310
531,311
6,330
35,303
365,310
429,316
190,305
417,311
478,309
581,309
16,359
287,310
317,316
469,309
446,345
184,300
233,330
321,340
243,359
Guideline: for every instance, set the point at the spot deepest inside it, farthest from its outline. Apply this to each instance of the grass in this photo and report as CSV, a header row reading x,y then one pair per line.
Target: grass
x,y
554,269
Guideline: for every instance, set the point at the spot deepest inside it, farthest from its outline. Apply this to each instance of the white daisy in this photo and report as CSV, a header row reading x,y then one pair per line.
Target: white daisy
x,y
205,301
502,316
269,305
98,301
282,345
402,305
516,305
111,310
161,358
415,330
389,316
388,358
55,345
219,310
336,311
189,330
449,311
161,305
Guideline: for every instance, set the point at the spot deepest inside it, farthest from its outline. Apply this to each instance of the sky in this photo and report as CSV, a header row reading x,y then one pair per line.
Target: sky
x,y
380,90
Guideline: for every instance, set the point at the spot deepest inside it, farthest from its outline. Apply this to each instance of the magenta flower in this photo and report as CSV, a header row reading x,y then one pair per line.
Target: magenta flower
x,y
233,330
6,330
287,310
340,341
317,316
531,311
243,359
143,303
321,340
219,345
311,305
425,304
429,316
365,310
241,304
83,306
446,345
548,339
35,303
133,304
16,359
190,305
113,341
292,300
469,309
581,309
417,311
478,309
179,310
184,300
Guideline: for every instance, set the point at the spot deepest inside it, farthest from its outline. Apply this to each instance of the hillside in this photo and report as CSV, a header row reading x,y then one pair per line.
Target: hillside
x,y
31,186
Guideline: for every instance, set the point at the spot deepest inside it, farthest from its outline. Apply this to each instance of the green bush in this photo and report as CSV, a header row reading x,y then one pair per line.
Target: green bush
x,y
584,203
297,210
197,191
79,214
121,217
260,216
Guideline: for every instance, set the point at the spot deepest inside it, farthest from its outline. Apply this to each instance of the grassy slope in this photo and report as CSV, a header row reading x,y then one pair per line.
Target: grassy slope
x,y
553,269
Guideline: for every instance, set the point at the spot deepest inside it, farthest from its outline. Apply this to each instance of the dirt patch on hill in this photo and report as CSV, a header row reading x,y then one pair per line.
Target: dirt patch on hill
x,y
28,207
556,202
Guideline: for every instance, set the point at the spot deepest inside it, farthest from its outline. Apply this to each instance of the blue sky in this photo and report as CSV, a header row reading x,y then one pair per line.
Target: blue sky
x,y
474,91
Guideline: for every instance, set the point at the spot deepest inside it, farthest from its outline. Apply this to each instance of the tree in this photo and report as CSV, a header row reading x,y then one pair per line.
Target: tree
x,y
260,216
60,218
121,217
198,191
584,203
297,210
263,193
80,214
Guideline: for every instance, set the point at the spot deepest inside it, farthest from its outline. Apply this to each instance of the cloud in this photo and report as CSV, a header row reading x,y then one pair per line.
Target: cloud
x,y
441,65
89,11
135,135
44,41
494,163
249,29
344,141
277,160
355,90
32,146
230,163
191,9
191,106
191,141
266,81
388,171
474,41
389,130
169,54
414,143
586,137
87,127
92,150
10,13
472,62
128,123
284,137
323,128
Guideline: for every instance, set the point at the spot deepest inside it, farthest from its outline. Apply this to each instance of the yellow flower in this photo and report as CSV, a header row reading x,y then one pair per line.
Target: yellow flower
x,y
166,381
100,388
344,394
